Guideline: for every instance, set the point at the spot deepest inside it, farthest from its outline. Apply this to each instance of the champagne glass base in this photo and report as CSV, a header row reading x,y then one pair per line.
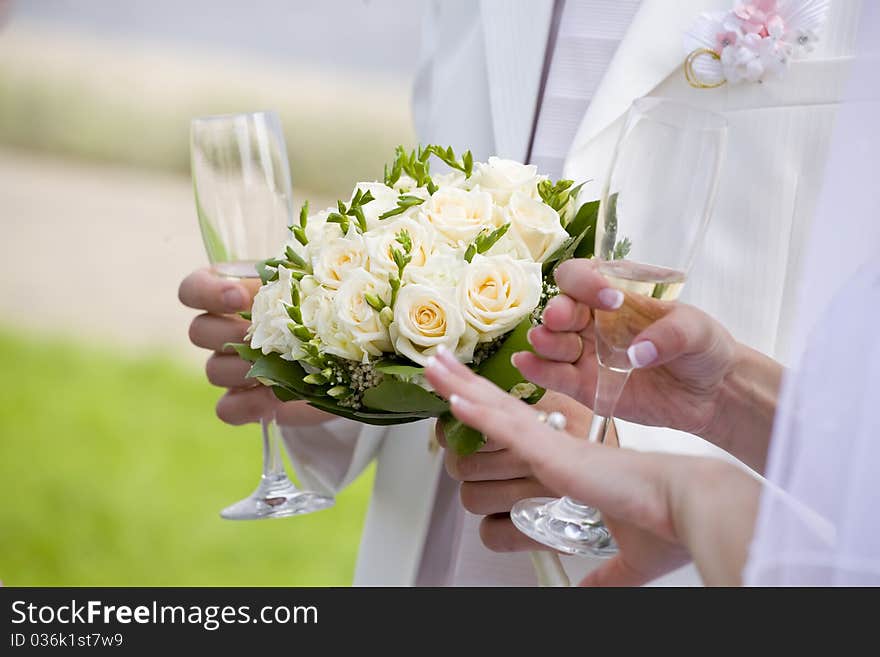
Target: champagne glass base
x,y
276,497
564,525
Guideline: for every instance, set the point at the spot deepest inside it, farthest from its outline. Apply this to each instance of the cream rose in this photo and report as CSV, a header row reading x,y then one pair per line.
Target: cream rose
x,y
426,318
458,215
497,292
357,317
443,269
333,259
502,177
535,226
269,331
380,241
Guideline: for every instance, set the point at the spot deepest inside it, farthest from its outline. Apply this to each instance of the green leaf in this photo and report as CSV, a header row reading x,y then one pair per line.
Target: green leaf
x,y
244,315
304,214
584,219
400,370
277,371
497,368
402,397
245,351
462,439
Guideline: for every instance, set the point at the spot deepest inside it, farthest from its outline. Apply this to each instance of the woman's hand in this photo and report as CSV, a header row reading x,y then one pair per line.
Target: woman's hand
x,y
689,373
245,400
660,508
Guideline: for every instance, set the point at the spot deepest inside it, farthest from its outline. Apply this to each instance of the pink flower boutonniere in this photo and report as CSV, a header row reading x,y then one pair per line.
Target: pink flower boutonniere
x,y
753,42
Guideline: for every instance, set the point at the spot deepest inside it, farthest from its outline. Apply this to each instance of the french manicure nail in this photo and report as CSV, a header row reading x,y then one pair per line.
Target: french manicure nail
x,y
233,299
610,298
642,354
529,337
432,362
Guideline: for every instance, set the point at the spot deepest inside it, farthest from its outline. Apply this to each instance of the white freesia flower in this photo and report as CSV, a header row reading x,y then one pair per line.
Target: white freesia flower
x,y
404,184
357,317
453,178
427,317
535,225
497,292
380,241
458,215
502,177
269,330
320,316
384,199
318,230
333,259
443,269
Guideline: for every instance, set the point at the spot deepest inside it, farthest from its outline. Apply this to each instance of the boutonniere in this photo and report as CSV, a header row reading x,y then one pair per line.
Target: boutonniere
x,y
753,42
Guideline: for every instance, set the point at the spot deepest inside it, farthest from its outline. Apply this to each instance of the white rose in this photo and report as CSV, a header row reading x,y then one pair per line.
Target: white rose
x,y
535,225
320,316
497,292
424,319
384,199
269,331
334,258
458,215
443,269
502,177
357,317
380,241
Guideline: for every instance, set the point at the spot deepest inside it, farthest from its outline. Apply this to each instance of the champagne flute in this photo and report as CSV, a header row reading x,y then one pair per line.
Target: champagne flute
x,y
241,181
655,208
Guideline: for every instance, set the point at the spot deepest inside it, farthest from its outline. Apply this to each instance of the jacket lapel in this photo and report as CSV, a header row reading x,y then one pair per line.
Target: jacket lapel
x,y
515,36
650,51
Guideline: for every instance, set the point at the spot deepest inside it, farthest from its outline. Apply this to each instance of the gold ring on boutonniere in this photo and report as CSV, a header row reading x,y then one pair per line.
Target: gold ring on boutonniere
x,y
691,75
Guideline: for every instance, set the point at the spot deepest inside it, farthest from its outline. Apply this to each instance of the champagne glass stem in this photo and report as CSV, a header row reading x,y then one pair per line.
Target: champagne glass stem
x,y
273,466
548,569
609,386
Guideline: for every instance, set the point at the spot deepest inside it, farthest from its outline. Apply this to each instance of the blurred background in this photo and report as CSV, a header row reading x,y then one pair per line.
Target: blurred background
x,y
113,466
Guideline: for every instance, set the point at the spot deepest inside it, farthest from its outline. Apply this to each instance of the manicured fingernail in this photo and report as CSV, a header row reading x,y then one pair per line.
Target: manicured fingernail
x,y
642,354
233,299
529,336
610,298
460,403
514,358
432,363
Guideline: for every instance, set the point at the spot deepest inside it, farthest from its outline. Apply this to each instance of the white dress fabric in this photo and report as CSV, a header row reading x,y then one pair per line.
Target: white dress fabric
x,y
818,522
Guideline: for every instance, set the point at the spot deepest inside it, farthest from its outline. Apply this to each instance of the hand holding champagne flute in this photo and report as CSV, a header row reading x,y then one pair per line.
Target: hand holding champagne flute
x,y
241,180
655,208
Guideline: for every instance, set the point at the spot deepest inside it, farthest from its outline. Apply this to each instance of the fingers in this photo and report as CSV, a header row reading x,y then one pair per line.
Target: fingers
x,y
243,406
487,497
579,280
563,313
615,572
204,290
483,406
213,331
486,466
499,534
575,381
683,330
229,371
562,347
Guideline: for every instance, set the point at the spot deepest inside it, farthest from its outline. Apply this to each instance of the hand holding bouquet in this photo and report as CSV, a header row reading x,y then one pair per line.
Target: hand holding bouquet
x,y
366,292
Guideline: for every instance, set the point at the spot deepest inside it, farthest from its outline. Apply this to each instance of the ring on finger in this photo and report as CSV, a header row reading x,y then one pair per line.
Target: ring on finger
x,y
554,420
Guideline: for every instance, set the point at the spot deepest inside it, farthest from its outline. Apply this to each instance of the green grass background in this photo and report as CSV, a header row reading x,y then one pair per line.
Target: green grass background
x,y
113,470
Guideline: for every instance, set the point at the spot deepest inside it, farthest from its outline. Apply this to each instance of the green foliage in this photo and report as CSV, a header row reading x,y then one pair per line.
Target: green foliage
x,y
119,471
402,397
582,231
485,241
461,438
404,203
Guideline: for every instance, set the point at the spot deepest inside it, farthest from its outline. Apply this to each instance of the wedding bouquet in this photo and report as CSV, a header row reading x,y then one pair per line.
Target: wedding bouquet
x,y
364,293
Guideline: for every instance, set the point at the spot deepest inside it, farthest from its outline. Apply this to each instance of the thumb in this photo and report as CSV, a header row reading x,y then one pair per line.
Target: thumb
x,y
683,330
614,572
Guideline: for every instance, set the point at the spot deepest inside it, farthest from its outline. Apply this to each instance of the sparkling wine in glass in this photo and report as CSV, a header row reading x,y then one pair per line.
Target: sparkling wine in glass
x,y
654,211
241,181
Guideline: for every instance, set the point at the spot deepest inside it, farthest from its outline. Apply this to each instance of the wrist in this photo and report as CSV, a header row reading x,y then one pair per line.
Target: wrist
x,y
746,407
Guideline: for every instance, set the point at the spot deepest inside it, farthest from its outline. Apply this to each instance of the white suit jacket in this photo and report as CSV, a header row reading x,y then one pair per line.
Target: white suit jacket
x,y
477,89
